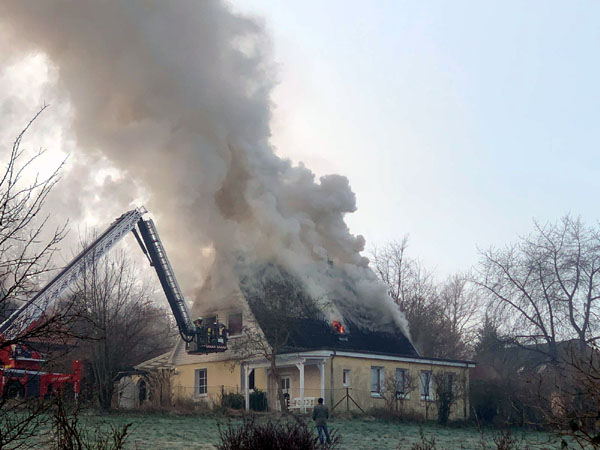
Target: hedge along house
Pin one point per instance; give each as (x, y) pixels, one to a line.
(277, 331)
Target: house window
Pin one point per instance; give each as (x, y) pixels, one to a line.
(376, 381)
(449, 378)
(286, 384)
(251, 380)
(426, 385)
(234, 324)
(402, 383)
(201, 382)
(346, 377)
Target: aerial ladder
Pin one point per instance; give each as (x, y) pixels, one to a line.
(21, 366)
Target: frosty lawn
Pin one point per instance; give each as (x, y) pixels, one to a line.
(199, 432)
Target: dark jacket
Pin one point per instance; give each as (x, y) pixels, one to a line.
(320, 414)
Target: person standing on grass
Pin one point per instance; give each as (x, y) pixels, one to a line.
(320, 416)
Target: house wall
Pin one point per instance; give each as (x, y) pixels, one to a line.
(312, 383)
(360, 386)
(222, 376)
(127, 392)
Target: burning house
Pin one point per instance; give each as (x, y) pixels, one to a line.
(284, 344)
(173, 103)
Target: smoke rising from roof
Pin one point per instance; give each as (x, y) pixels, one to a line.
(176, 96)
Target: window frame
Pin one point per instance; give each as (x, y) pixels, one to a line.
(450, 381)
(197, 385)
(287, 378)
(429, 394)
(380, 380)
(252, 380)
(229, 333)
(403, 394)
(346, 378)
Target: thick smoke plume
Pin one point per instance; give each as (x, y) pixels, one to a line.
(175, 96)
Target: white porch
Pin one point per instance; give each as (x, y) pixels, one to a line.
(304, 374)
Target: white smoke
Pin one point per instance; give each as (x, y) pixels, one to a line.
(174, 97)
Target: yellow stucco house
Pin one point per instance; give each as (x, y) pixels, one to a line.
(351, 368)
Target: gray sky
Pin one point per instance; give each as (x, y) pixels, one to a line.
(456, 122)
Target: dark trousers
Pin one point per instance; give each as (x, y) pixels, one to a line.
(322, 429)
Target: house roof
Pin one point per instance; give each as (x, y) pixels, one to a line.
(159, 362)
(280, 294)
(315, 334)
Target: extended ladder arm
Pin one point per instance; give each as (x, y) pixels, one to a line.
(160, 262)
(205, 339)
(33, 309)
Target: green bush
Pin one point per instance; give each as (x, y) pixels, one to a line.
(233, 401)
(258, 400)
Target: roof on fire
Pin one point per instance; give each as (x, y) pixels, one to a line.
(308, 329)
(318, 334)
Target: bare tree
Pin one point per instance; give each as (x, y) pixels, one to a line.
(440, 316)
(396, 389)
(460, 310)
(573, 402)
(279, 307)
(122, 322)
(546, 287)
(26, 248)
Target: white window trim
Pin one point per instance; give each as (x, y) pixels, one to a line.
(289, 378)
(377, 394)
(348, 381)
(431, 396)
(404, 395)
(197, 393)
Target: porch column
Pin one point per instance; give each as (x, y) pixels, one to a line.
(300, 367)
(322, 369)
(246, 390)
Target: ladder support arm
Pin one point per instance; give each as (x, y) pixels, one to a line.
(32, 310)
(161, 264)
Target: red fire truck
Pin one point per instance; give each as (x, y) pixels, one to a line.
(21, 365)
(23, 375)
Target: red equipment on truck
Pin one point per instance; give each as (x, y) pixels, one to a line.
(21, 365)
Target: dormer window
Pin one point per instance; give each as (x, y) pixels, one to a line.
(234, 324)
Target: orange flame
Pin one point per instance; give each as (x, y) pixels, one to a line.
(338, 327)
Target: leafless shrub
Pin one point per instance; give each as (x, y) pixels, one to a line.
(255, 435)
(425, 443)
(69, 434)
(396, 390)
(505, 440)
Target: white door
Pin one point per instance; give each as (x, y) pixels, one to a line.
(286, 387)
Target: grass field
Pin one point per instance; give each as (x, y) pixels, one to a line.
(163, 431)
